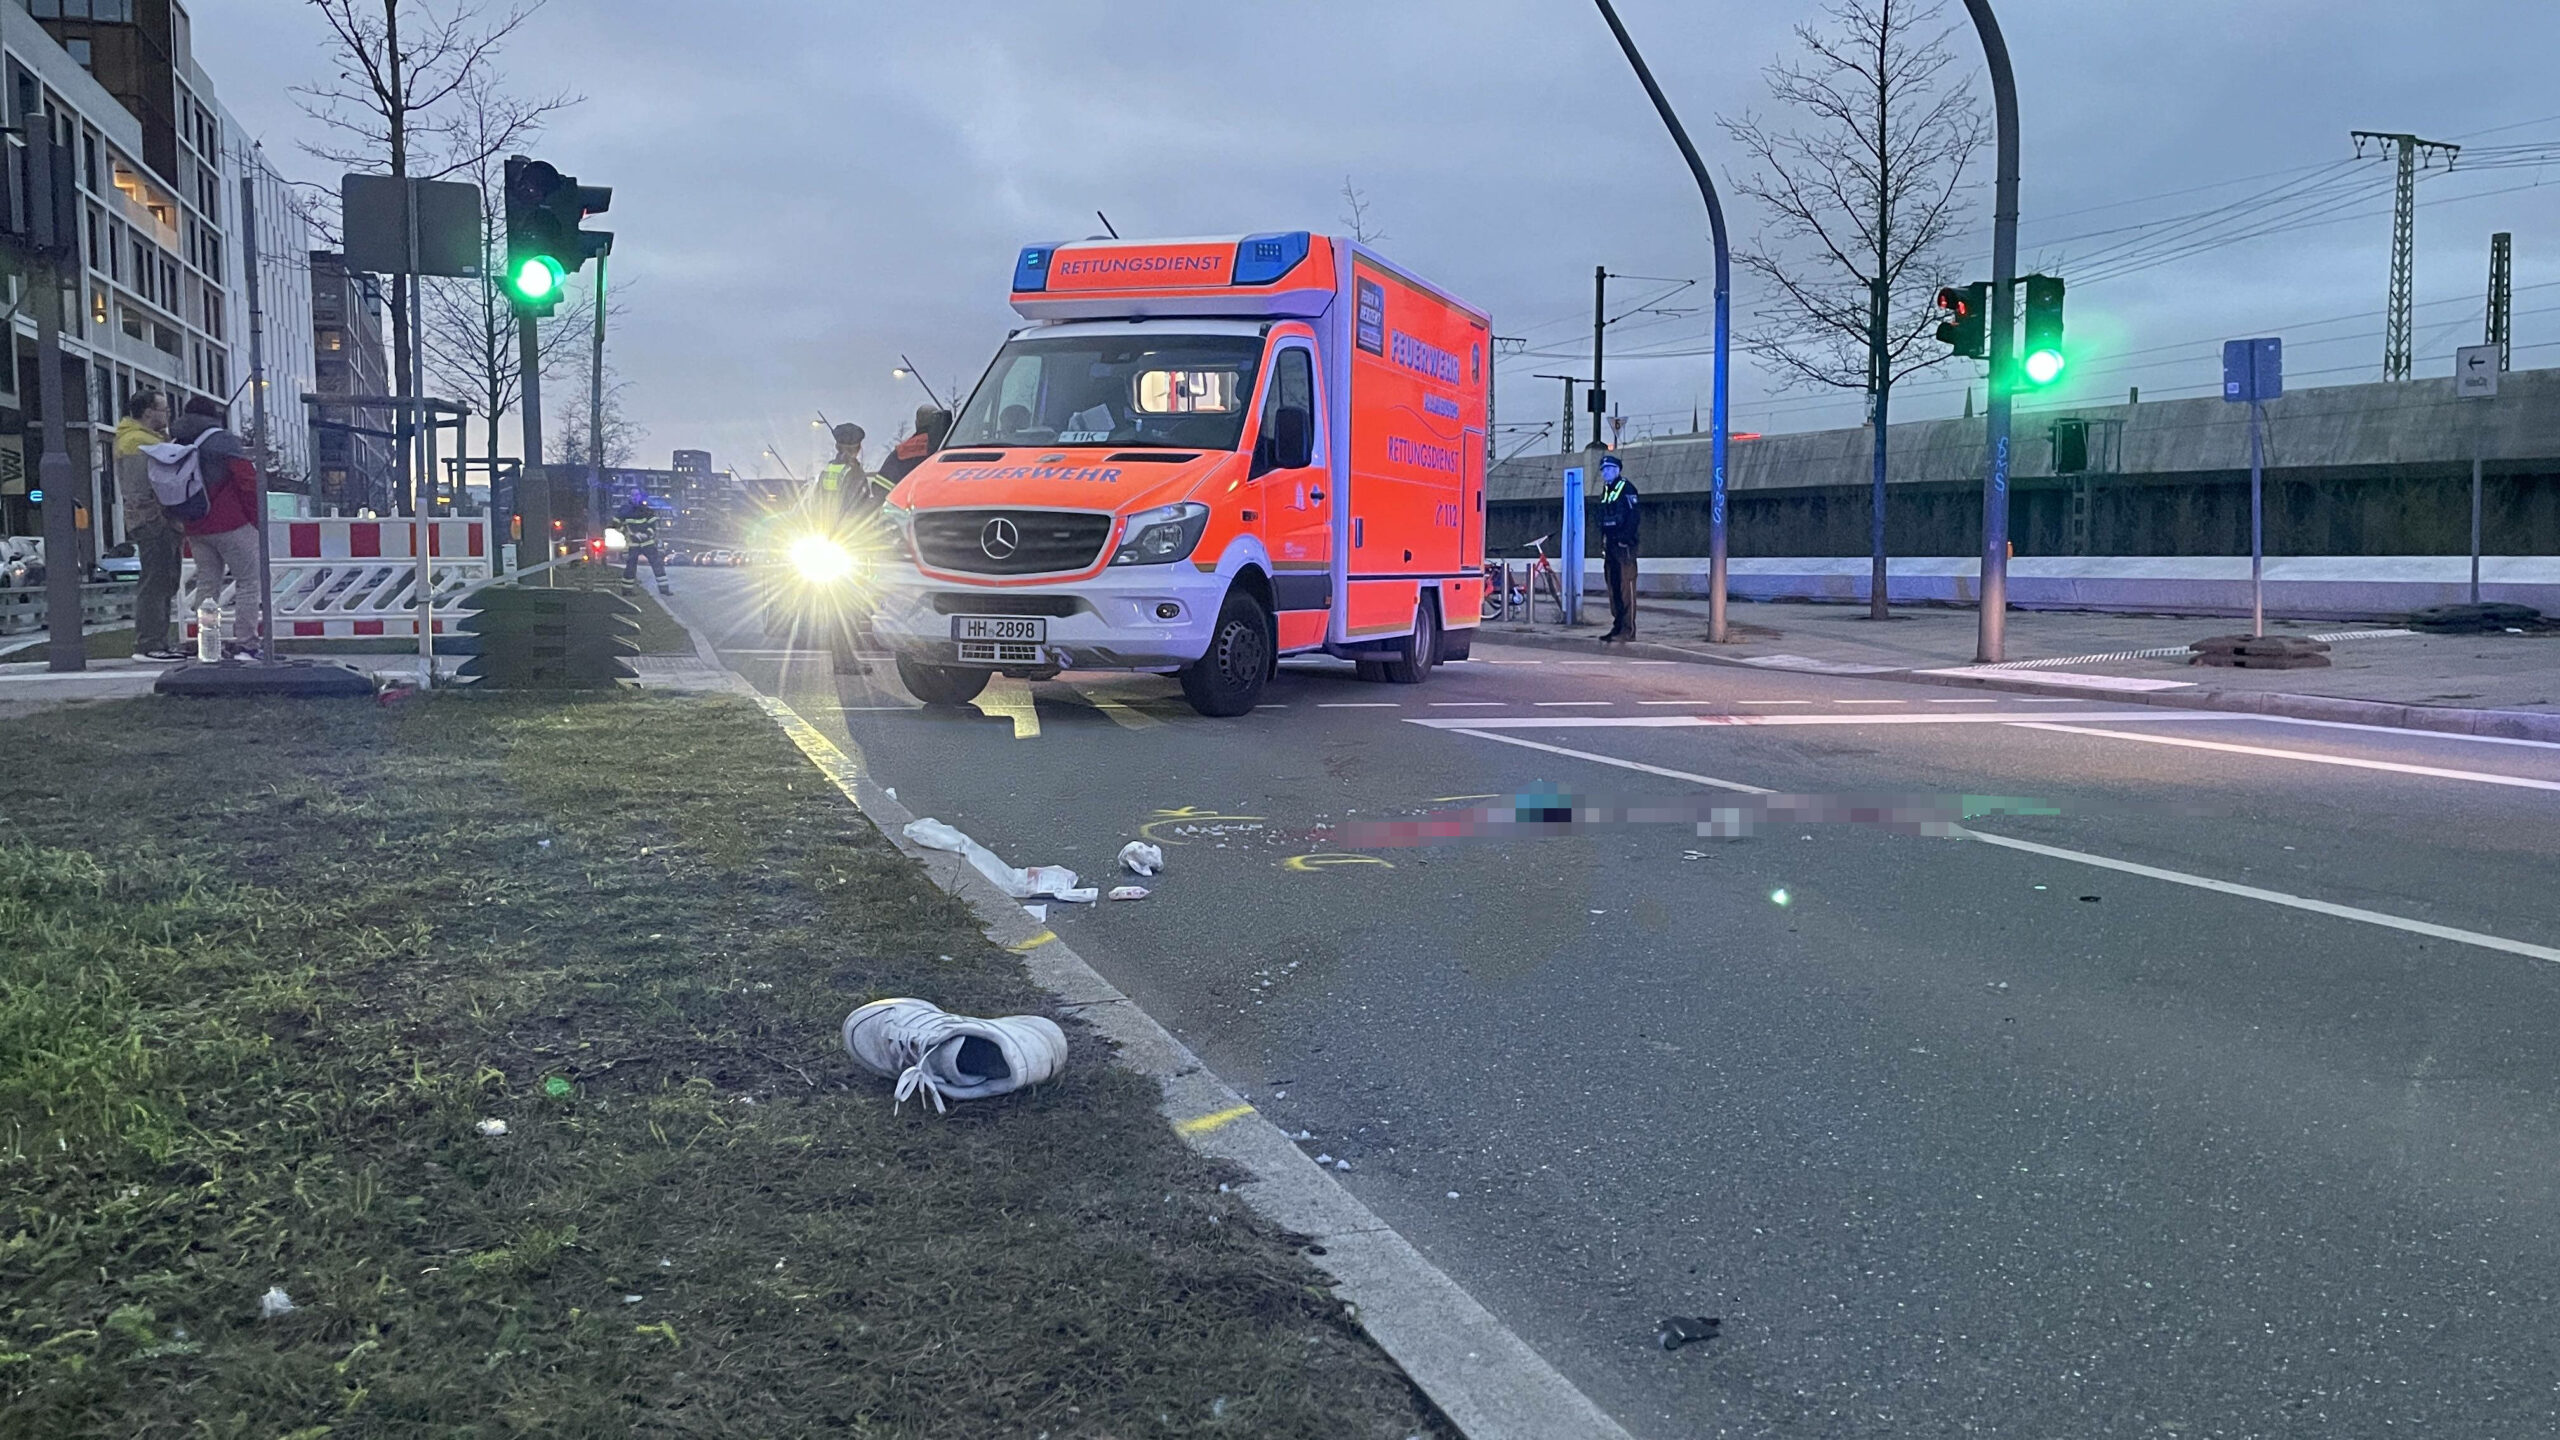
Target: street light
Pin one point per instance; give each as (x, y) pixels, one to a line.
(1724, 325)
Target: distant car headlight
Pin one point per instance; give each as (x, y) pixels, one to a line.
(821, 561)
(1162, 535)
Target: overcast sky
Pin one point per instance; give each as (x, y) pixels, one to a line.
(806, 189)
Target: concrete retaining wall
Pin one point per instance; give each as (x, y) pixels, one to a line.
(2310, 587)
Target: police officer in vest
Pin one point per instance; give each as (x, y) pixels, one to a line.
(844, 490)
(1621, 528)
(638, 521)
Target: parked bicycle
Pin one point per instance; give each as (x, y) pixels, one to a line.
(1505, 593)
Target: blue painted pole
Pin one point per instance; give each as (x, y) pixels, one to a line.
(1724, 323)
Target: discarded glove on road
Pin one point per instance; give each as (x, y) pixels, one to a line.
(946, 1056)
(1681, 1330)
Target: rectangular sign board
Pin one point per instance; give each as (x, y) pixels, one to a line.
(377, 226)
(2475, 372)
(2252, 370)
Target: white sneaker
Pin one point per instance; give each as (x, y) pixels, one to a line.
(925, 1047)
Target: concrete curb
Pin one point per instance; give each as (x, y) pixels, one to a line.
(1485, 1378)
(2499, 724)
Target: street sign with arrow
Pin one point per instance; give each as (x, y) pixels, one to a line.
(2475, 372)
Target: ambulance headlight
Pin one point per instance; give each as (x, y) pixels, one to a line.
(1162, 535)
(820, 560)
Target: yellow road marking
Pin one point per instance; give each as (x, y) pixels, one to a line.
(1309, 863)
(1190, 815)
(1006, 698)
(1124, 716)
(1025, 947)
(1203, 1124)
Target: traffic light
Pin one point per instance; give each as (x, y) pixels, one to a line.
(544, 244)
(1965, 307)
(2042, 360)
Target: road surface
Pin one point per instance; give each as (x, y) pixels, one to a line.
(2219, 1103)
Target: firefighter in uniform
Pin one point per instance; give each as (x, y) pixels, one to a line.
(638, 521)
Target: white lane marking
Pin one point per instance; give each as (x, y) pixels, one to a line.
(1676, 722)
(1772, 702)
(1648, 662)
(2306, 756)
(2403, 731)
(1515, 662)
(1569, 704)
(2277, 897)
(1870, 702)
(1586, 662)
(2104, 862)
(1964, 702)
(1468, 704)
(1637, 766)
(2074, 682)
(1358, 704)
(1270, 707)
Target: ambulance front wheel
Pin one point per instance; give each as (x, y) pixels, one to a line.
(1227, 681)
(942, 685)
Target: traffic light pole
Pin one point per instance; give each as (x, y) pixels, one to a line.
(1724, 319)
(596, 507)
(533, 483)
(1993, 635)
(65, 648)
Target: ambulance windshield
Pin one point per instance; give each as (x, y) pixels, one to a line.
(1185, 392)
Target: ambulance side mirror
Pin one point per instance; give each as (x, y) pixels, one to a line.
(1292, 439)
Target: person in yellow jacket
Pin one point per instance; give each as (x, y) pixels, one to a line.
(155, 536)
(844, 490)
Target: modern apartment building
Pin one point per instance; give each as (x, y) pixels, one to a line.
(351, 449)
(158, 299)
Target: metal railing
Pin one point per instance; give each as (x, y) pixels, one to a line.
(23, 611)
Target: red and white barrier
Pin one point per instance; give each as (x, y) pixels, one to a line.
(337, 578)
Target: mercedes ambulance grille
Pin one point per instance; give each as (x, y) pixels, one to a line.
(1010, 542)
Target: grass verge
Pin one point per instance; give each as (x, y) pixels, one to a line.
(265, 967)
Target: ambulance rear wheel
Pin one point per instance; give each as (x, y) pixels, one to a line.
(1227, 681)
(941, 685)
(1412, 663)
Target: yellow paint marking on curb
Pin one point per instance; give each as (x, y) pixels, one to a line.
(1035, 942)
(1203, 1124)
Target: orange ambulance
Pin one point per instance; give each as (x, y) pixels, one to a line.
(1200, 456)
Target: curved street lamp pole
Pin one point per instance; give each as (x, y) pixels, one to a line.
(2003, 321)
(1724, 321)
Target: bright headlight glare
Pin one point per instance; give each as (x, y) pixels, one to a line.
(1162, 535)
(615, 539)
(821, 561)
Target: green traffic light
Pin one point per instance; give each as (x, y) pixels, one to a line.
(537, 279)
(2044, 366)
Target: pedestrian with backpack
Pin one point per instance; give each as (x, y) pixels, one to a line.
(155, 535)
(224, 537)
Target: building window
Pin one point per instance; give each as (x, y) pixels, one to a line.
(334, 340)
(98, 308)
(79, 48)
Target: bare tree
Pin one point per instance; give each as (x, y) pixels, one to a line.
(1355, 214)
(622, 436)
(1864, 202)
(412, 94)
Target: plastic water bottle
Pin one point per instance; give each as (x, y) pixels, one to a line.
(208, 631)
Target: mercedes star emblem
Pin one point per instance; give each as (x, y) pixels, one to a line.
(999, 539)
